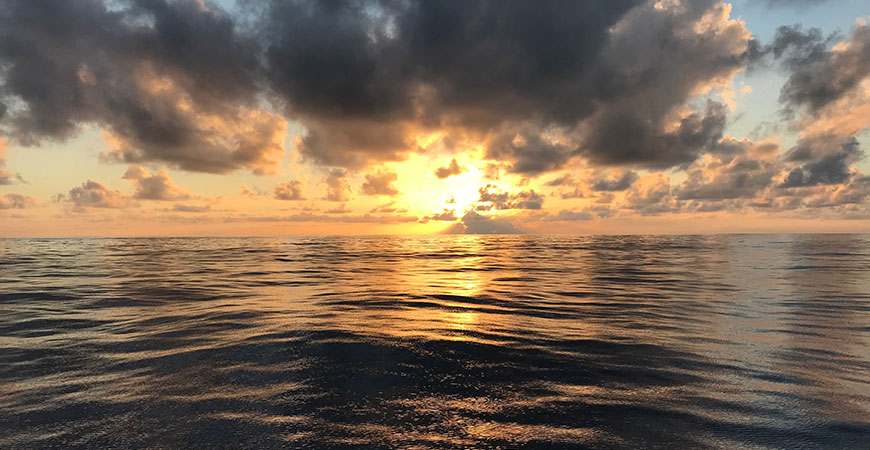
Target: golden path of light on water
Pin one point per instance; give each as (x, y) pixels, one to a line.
(452, 341)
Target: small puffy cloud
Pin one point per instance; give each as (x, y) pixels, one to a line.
(16, 201)
(337, 187)
(474, 223)
(290, 190)
(380, 183)
(450, 170)
(156, 186)
(93, 194)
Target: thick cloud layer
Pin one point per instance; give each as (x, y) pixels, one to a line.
(169, 82)
(184, 83)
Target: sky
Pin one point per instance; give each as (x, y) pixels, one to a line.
(197, 117)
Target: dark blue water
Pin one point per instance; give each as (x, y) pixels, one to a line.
(436, 342)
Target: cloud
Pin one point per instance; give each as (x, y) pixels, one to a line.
(571, 216)
(474, 223)
(448, 215)
(452, 169)
(566, 179)
(290, 190)
(529, 154)
(93, 194)
(337, 187)
(16, 201)
(157, 186)
(320, 218)
(501, 200)
(251, 192)
(741, 172)
(191, 208)
(188, 85)
(610, 184)
(651, 195)
(380, 183)
(819, 74)
(7, 177)
(832, 168)
(171, 82)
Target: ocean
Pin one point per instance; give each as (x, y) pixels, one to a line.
(540, 342)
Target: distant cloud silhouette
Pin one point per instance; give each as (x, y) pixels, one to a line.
(474, 223)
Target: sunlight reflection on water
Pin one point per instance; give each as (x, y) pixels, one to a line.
(436, 342)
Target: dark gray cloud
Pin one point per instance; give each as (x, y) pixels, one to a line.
(380, 183)
(818, 74)
(474, 223)
(289, 190)
(825, 160)
(171, 81)
(529, 154)
(16, 201)
(183, 84)
(450, 170)
(832, 169)
(620, 183)
(502, 200)
(622, 135)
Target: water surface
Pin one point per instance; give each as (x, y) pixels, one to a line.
(436, 342)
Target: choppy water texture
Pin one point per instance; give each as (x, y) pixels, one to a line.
(436, 342)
